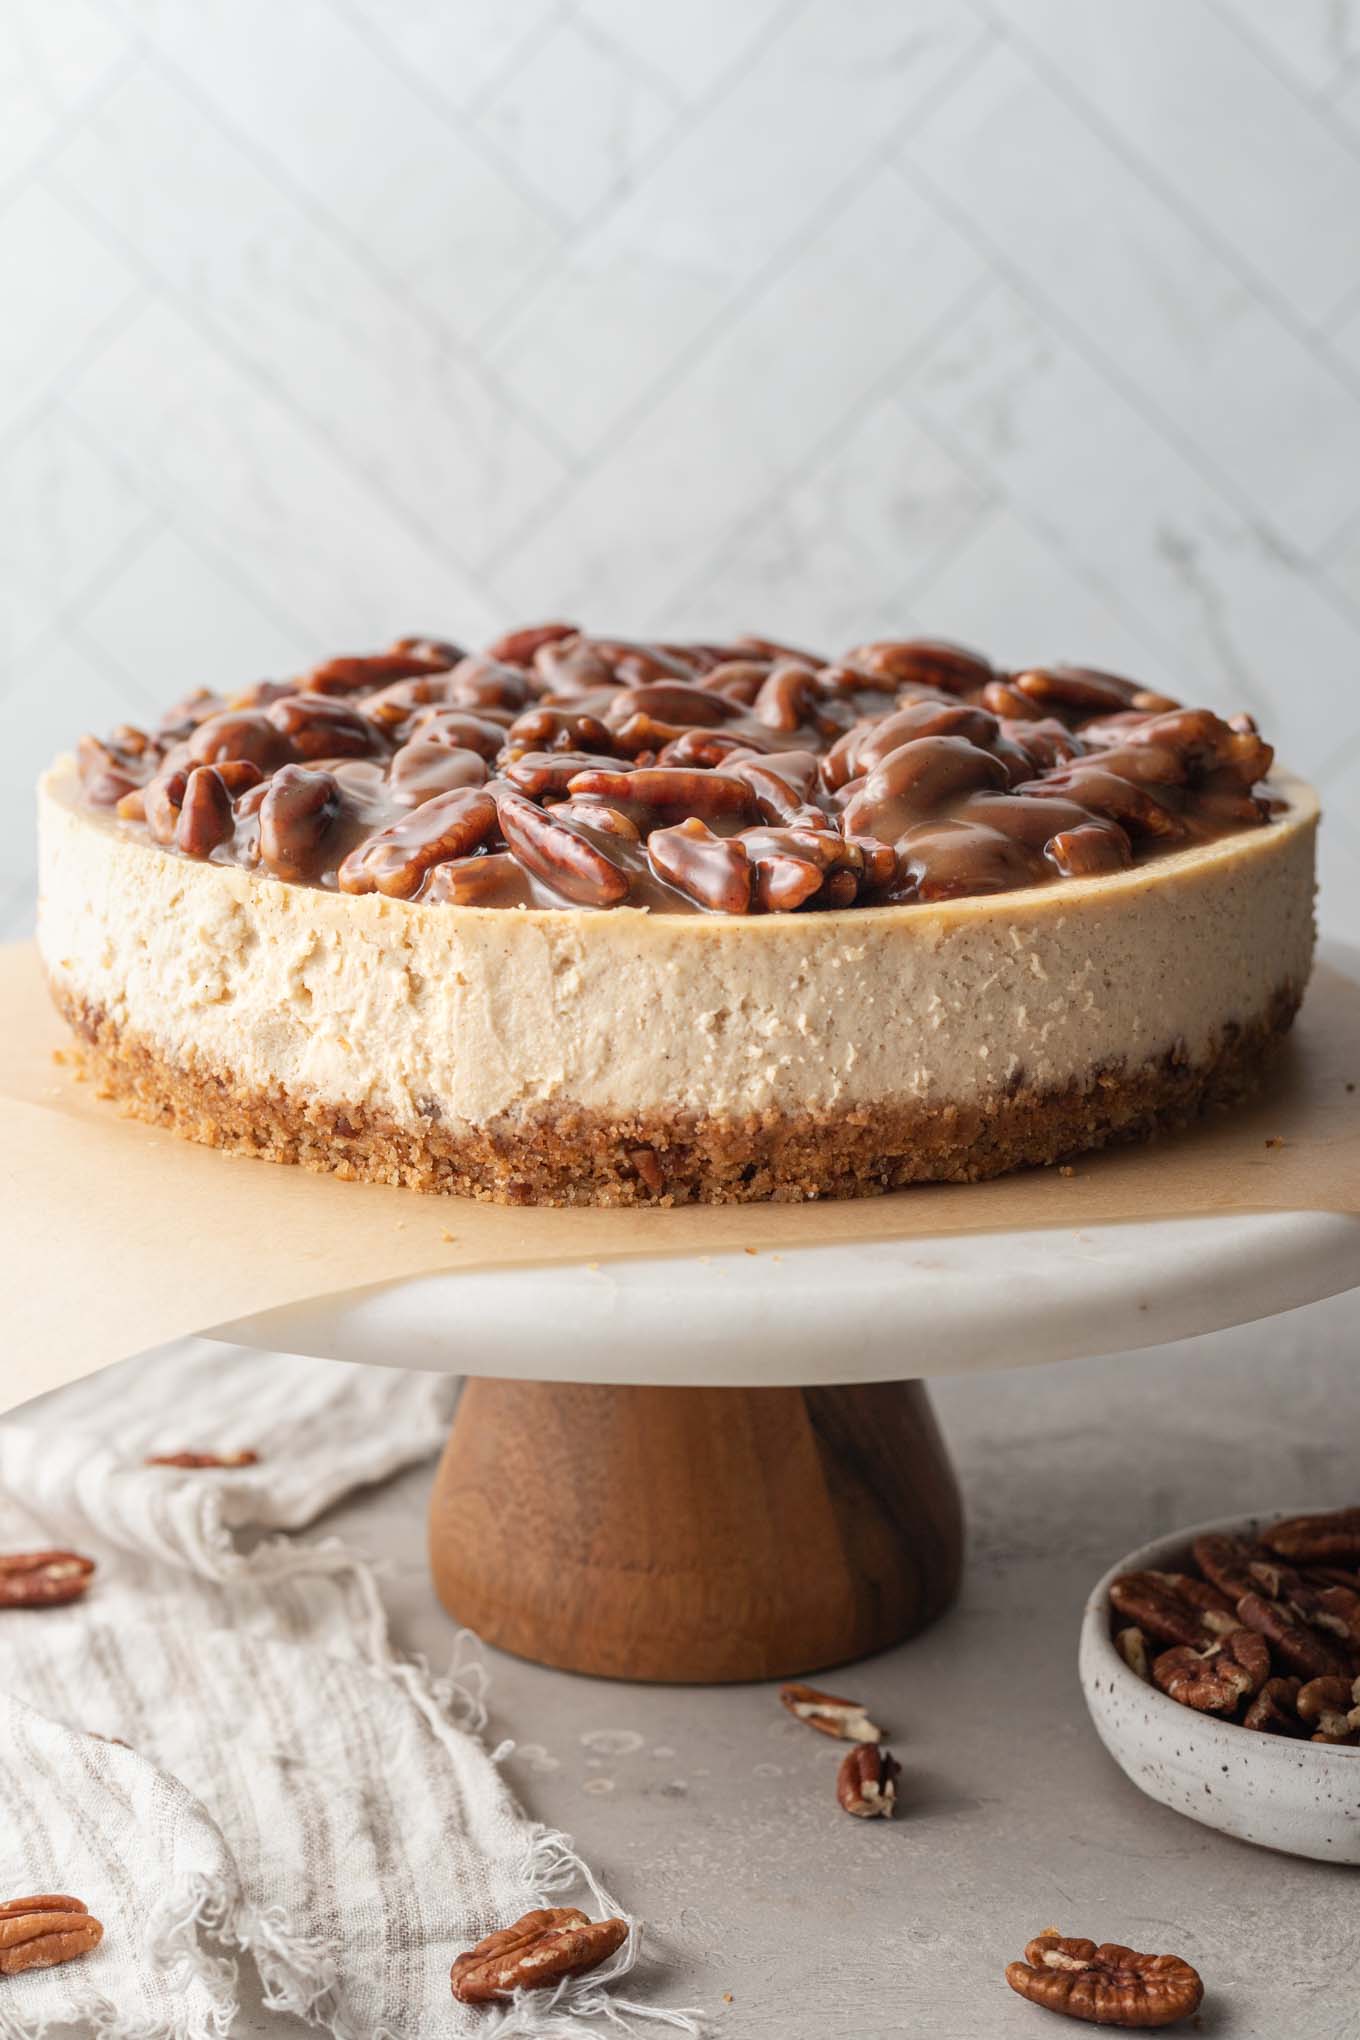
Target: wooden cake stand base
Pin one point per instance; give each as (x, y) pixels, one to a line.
(695, 1534)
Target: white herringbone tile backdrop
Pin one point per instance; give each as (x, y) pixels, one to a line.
(1031, 322)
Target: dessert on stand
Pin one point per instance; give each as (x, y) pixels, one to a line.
(581, 921)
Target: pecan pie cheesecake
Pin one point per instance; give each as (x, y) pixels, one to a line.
(578, 920)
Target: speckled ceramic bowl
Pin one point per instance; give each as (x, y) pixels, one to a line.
(1302, 1797)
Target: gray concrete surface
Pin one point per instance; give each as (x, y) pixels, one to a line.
(711, 1814)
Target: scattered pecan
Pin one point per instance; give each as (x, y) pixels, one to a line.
(42, 1932)
(1331, 1539)
(394, 860)
(201, 1461)
(43, 1579)
(1173, 1607)
(1107, 1985)
(1215, 1679)
(866, 1783)
(828, 1712)
(535, 1954)
(296, 816)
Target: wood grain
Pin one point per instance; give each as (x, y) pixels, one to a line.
(701, 1534)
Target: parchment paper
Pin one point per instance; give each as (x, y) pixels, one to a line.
(118, 1236)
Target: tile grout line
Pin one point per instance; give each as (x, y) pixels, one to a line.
(880, 159)
(1111, 373)
(1171, 201)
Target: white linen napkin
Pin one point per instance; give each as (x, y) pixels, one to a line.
(294, 1792)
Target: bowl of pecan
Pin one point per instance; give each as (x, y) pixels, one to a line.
(1221, 1667)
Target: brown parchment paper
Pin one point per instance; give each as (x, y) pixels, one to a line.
(118, 1236)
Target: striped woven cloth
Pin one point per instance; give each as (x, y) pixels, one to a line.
(293, 1794)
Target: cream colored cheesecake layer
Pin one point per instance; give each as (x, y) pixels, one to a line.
(387, 1003)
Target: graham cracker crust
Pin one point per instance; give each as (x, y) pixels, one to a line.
(567, 1156)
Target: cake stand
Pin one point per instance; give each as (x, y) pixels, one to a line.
(726, 1466)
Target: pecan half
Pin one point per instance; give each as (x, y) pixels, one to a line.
(1301, 1649)
(205, 816)
(714, 870)
(844, 1719)
(924, 662)
(43, 1579)
(296, 816)
(394, 860)
(1330, 1706)
(1109, 1985)
(1330, 1539)
(560, 853)
(517, 647)
(1173, 1607)
(1335, 1610)
(42, 1932)
(317, 727)
(866, 1784)
(1275, 1710)
(1213, 1681)
(1226, 1562)
(197, 1461)
(534, 1954)
(246, 734)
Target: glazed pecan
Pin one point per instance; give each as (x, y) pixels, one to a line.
(924, 662)
(493, 879)
(203, 1461)
(714, 870)
(296, 816)
(914, 780)
(43, 1579)
(517, 647)
(866, 1784)
(548, 775)
(1216, 1679)
(1301, 1649)
(1275, 1710)
(560, 853)
(1109, 1985)
(407, 658)
(205, 814)
(113, 767)
(844, 1719)
(246, 734)
(394, 860)
(660, 795)
(317, 727)
(42, 1932)
(535, 1954)
(1173, 1607)
(421, 770)
(1330, 1539)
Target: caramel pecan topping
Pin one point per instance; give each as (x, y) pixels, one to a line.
(41, 1933)
(43, 1579)
(535, 1954)
(1107, 1985)
(912, 771)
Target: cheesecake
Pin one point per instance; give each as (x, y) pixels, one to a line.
(584, 920)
